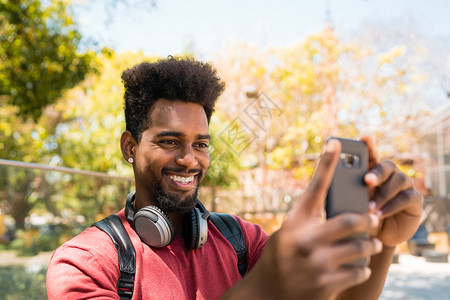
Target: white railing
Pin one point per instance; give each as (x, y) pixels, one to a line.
(21, 164)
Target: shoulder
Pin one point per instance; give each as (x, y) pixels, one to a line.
(92, 245)
(90, 239)
(84, 267)
(96, 241)
(255, 240)
(253, 233)
(251, 228)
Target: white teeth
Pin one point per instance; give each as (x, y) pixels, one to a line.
(182, 179)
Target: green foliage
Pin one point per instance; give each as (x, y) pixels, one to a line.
(323, 86)
(47, 238)
(18, 282)
(21, 139)
(92, 119)
(81, 130)
(224, 164)
(22, 247)
(40, 54)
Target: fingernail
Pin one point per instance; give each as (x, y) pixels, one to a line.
(331, 146)
(372, 205)
(372, 177)
(375, 221)
(378, 245)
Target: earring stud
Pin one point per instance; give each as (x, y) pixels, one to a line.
(131, 160)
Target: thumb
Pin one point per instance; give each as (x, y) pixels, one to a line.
(313, 199)
(373, 156)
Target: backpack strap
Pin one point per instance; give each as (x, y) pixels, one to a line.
(232, 231)
(125, 250)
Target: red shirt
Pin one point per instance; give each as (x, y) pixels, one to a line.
(87, 266)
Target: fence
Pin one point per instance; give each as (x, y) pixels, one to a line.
(41, 207)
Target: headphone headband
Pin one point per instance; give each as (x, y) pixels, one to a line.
(156, 229)
(129, 210)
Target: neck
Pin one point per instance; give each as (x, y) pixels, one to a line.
(178, 225)
(142, 199)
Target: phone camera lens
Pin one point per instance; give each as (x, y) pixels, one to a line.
(350, 160)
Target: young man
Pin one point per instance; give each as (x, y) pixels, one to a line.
(168, 106)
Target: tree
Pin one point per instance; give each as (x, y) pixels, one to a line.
(325, 86)
(27, 141)
(81, 130)
(223, 171)
(293, 106)
(40, 54)
(403, 76)
(39, 59)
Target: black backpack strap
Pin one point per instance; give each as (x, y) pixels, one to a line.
(232, 231)
(125, 250)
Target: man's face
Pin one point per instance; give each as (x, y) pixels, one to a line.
(172, 157)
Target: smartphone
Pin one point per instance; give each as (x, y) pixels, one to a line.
(348, 191)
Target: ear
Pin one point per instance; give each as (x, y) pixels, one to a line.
(127, 145)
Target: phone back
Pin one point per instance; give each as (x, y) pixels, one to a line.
(348, 192)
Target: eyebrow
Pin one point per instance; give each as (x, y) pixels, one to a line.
(180, 134)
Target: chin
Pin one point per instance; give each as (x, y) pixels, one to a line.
(176, 204)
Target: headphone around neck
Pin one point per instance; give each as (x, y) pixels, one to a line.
(156, 229)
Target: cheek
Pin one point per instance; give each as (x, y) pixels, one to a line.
(151, 163)
(204, 160)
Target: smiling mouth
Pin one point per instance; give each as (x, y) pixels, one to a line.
(182, 182)
(182, 179)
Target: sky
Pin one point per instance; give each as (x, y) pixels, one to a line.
(208, 25)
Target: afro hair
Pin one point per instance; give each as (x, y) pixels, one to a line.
(171, 78)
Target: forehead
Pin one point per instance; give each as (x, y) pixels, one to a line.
(178, 116)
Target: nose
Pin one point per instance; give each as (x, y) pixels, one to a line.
(187, 158)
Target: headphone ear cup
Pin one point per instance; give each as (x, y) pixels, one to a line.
(153, 226)
(191, 229)
(195, 229)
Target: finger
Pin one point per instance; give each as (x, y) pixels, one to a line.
(380, 174)
(397, 182)
(373, 156)
(408, 201)
(345, 252)
(344, 278)
(314, 197)
(334, 230)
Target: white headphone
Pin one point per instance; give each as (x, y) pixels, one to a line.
(155, 228)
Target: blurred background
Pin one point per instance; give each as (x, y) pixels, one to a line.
(296, 72)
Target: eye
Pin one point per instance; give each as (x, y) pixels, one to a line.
(202, 145)
(168, 142)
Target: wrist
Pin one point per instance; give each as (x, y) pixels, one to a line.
(388, 249)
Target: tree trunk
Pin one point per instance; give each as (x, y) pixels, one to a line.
(20, 209)
(19, 202)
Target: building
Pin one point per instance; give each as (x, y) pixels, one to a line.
(434, 133)
(434, 149)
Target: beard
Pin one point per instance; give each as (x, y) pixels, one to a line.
(174, 203)
(168, 202)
